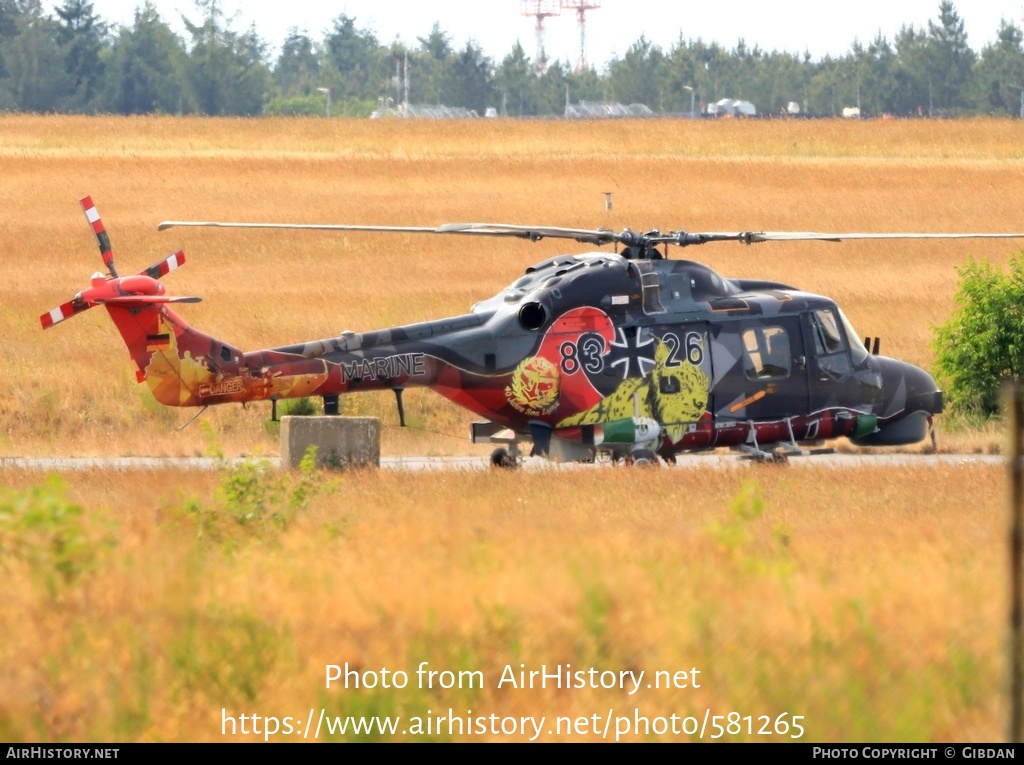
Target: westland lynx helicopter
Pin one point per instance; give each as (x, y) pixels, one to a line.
(624, 353)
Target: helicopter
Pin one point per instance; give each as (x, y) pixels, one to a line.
(627, 354)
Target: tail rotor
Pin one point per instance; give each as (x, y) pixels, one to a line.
(138, 290)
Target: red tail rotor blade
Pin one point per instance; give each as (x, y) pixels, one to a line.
(165, 266)
(61, 312)
(93, 216)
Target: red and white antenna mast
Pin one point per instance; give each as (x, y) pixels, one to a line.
(540, 10)
(581, 7)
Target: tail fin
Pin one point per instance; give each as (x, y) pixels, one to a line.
(154, 334)
(183, 366)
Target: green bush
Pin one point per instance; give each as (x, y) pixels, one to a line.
(297, 407)
(982, 344)
(53, 536)
(256, 500)
(291, 407)
(306, 106)
(316, 106)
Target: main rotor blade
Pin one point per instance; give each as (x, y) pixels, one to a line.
(316, 226)
(598, 236)
(799, 236)
(684, 238)
(533, 233)
(602, 236)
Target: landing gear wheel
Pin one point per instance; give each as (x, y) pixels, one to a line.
(643, 458)
(502, 459)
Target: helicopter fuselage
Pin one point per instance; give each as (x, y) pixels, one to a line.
(605, 352)
(628, 353)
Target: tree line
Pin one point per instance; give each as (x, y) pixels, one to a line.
(71, 61)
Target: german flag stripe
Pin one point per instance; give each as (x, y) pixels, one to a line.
(158, 342)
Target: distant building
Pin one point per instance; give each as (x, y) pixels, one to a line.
(589, 110)
(731, 107)
(412, 112)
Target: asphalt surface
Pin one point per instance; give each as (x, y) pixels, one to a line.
(684, 462)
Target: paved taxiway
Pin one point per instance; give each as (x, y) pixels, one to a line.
(684, 462)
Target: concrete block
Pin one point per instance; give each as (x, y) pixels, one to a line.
(340, 442)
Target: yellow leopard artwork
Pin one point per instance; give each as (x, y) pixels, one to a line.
(673, 396)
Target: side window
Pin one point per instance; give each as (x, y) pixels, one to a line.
(829, 346)
(766, 354)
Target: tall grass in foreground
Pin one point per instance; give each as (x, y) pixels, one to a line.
(869, 601)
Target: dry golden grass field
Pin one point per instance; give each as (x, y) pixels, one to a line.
(153, 606)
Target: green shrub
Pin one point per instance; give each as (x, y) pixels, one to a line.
(982, 344)
(291, 407)
(310, 106)
(256, 500)
(297, 407)
(54, 537)
(316, 106)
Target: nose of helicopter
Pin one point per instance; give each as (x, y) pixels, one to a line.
(910, 398)
(922, 393)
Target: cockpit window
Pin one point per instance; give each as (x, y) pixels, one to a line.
(829, 346)
(827, 338)
(857, 349)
